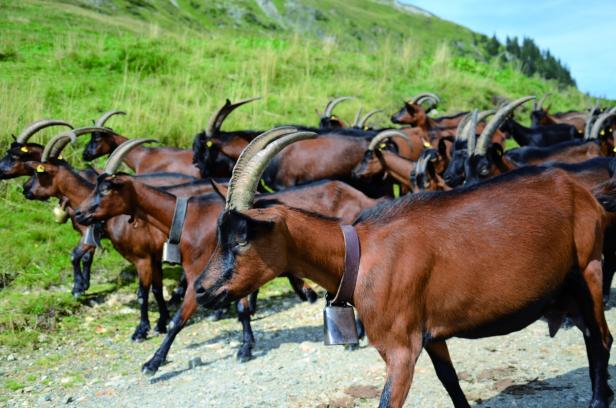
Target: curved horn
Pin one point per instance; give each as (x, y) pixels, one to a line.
(460, 130)
(596, 127)
(590, 119)
(215, 122)
(100, 122)
(543, 98)
(357, 118)
(386, 134)
(53, 148)
(28, 132)
(426, 95)
(244, 187)
(115, 159)
(332, 104)
(494, 124)
(469, 133)
(254, 147)
(480, 117)
(367, 116)
(90, 129)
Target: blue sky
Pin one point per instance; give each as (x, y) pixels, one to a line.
(580, 33)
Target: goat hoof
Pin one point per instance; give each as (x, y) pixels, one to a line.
(77, 293)
(311, 295)
(140, 334)
(160, 328)
(244, 354)
(150, 368)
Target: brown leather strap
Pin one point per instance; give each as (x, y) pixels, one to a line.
(352, 256)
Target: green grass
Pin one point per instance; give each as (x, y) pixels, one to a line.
(169, 69)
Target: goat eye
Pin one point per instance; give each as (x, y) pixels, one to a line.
(484, 171)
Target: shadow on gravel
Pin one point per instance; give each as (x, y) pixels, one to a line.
(564, 391)
(270, 339)
(172, 374)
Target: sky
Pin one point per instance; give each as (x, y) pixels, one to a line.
(581, 33)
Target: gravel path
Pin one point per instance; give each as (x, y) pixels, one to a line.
(292, 368)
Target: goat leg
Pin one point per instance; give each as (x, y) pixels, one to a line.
(446, 373)
(141, 332)
(157, 290)
(189, 305)
(248, 340)
(597, 336)
(301, 289)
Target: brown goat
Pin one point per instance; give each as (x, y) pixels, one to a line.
(417, 286)
(120, 194)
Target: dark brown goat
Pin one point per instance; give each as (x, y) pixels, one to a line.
(416, 249)
(120, 194)
(136, 240)
(158, 159)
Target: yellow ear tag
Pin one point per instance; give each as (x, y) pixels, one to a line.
(209, 143)
(602, 132)
(40, 168)
(24, 149)
(60, 157)
(614, 149)
(427, 144)
(382, 145)
(334, 117)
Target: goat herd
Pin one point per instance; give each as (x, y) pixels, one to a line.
(481, 242)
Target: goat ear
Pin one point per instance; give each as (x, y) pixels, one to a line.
(442, 147)
(497, 151)
(410, 108)
(35, 167)
(219, 189)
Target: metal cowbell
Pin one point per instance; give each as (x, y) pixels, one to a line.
(171, 253)
(339, 326)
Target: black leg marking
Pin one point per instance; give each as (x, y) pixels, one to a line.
(386, 395)
(86, 262)
(243, 314)
(161, 324)
(141, 332)
(76, 255)
(159, 357)
(446, 373)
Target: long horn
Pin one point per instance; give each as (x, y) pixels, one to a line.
(596, 127)
(332, 104)
(254, 147)
(462, 126)
(39, 125)
(53, 148)
(244, 188)
(426, 95)
(115, 159)
(367, 116)
(480, 118)
(590, 119)
(216, 120)
(100, 122)
(494, 124)
(357, 118)
(386, 134)
(469, 133)
(543, 98)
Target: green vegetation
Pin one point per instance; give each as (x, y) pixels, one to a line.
(170, 67)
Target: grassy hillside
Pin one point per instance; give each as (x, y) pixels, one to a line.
(170, 66)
